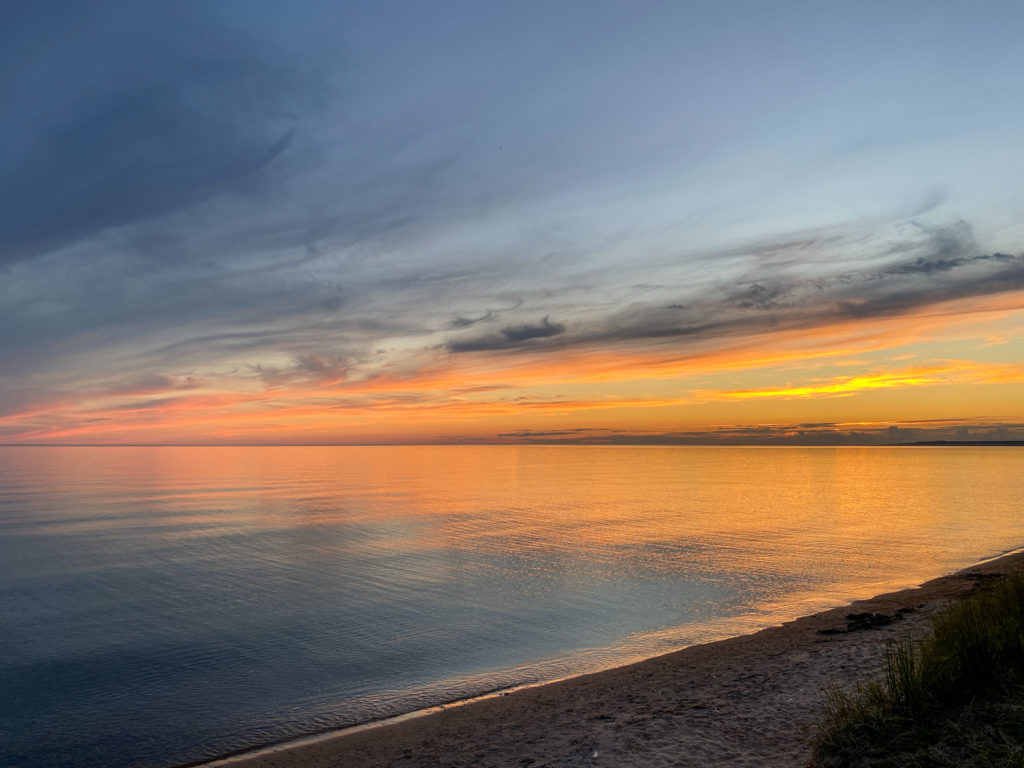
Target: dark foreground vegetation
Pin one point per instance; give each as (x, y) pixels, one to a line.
(955, 698)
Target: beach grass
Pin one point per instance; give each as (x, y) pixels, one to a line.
(954, 698)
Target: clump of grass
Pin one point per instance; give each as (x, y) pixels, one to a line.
(955, 698)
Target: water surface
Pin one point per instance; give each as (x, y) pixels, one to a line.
(162, 605)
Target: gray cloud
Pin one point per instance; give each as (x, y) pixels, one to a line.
(519, 333)
(152, 383)
(466, 322)
(936, 265)
(511, 336)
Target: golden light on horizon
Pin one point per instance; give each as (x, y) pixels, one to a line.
(788, 377)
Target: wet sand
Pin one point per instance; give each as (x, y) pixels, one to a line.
(746, 701)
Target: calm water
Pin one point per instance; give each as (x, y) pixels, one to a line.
(161, 605)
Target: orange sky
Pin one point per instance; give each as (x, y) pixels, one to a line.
(946, 367)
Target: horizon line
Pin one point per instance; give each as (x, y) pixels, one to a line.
(531, 443)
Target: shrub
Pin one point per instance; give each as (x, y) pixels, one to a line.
(954, 698)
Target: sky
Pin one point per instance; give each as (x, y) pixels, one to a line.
(600, 222)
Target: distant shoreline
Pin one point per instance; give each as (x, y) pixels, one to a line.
(743, 702)
(1012, 443)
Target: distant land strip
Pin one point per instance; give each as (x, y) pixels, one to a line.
(1018, 443)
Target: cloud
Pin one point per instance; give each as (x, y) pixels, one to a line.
(466, 322)
(940, 265)
(150, 384)
(347, 323)
(181, 182)
(511, 336)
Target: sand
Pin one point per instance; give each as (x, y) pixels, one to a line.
(746, 701)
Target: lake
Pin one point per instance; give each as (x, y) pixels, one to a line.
(161, 605)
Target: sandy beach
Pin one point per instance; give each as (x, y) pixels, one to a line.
(745, 701)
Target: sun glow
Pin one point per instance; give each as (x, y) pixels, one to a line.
(777, 380)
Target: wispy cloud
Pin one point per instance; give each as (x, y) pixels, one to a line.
(933, 266)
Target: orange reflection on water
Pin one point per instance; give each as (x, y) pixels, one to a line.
(879, 515)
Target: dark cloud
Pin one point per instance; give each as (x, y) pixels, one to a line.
(518, 333)
(939, 266)
(758, 296)
(949, 247)
(466, 322)
(509, 337)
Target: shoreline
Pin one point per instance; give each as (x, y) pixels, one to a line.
(748, 700)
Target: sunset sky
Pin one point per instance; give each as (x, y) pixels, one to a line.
(328, 222)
